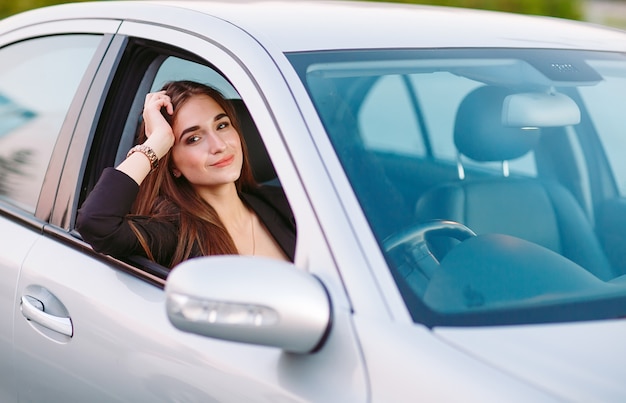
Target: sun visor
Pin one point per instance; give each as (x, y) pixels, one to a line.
(538, 109)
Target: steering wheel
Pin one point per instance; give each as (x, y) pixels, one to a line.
(413, 239)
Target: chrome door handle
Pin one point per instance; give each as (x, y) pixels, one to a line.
(33, 309)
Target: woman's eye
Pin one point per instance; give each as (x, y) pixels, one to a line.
(222, 125)
(192, 139)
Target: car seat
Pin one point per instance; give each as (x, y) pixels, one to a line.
(260, 162)
(545, 213)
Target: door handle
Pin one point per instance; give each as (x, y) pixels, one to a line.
(33, 309)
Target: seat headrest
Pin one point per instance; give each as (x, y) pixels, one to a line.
(262, 167)
(478, 130)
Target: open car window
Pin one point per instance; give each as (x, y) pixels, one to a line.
(116, 136)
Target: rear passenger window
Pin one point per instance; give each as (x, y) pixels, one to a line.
(38, 80)
(387, 119)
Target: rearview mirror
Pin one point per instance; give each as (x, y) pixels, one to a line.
(537, 109)
(251, 300)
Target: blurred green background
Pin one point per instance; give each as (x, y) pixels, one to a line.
(607, 12)
(571, 9)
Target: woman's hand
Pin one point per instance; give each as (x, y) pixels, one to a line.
(159, 132)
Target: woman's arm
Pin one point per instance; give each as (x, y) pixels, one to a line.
(101, 219)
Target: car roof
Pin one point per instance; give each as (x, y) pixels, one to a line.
(303, 25)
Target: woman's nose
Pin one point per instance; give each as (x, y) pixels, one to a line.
(216, 143)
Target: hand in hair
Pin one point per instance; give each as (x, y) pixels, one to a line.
(160, 137)
(158, 130)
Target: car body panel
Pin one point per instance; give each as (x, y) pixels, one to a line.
(267, 21)
(434, 363)
(16, 242)
(577, 368)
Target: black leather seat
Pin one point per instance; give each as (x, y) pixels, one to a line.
(540, 212)
(262, 167)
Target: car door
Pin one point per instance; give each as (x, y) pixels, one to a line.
(93, 328)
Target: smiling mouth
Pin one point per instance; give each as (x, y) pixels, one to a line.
(224, 162)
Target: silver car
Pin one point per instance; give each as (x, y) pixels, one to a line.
(458, 180)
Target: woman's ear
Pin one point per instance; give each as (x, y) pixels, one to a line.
(176, 173)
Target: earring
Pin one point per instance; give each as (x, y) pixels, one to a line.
(175, 174)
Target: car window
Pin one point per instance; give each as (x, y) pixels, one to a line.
(387, 120)
(38, 79)
(493, 105)
(175, 68)
(160, 69)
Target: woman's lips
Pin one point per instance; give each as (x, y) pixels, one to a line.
(224, 161)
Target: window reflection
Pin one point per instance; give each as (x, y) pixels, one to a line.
(38, 80)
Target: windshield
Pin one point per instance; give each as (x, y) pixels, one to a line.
(492, 179)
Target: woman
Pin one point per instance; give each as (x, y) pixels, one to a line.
(188, 187)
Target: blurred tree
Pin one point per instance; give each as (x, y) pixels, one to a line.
(571, 9)
(9, 7)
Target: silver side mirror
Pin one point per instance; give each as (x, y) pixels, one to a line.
(251, 300)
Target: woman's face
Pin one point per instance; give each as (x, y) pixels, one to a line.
(207, 148)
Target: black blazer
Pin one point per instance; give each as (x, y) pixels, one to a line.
(102, 220)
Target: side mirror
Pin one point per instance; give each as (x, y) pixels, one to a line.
(251, 300)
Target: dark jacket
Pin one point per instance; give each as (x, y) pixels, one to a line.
(102, 220)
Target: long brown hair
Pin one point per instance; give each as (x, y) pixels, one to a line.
(163, 196)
